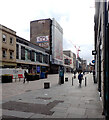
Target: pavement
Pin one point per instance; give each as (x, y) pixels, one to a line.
(31, 100)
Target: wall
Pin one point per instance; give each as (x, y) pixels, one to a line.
(6, 45)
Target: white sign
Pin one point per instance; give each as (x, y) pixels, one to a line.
(41, 39)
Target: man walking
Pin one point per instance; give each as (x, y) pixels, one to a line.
(25, 76)
(80, 77)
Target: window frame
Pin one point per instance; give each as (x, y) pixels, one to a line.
(11, 56)
(11, 38)
(3, 56)
(4, 37)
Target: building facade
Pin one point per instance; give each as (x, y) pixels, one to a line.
(48, 34)
(101, 28)
(84, 65)
(31, 56)
(68, 63)
(73, 59)
(7, 47)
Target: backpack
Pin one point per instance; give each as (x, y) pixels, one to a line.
(80, 76)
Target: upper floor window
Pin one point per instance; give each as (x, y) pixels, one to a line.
(17, 51)
(4, 53)
(11, 40)
(22, 53)
(4, 38)
(11, 54)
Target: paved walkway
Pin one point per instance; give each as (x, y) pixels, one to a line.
(31, 100)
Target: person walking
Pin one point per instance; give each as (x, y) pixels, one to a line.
(25, 76)
(80, 77)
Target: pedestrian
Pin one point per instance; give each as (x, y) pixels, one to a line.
(25, 76)
(80, 77)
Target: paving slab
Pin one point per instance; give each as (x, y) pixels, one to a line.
(18, 114)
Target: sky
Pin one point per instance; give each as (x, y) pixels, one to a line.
(76, 17)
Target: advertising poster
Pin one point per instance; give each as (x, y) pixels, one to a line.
(38, 69)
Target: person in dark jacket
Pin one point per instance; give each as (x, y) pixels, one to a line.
(25, 76)
(80, 77)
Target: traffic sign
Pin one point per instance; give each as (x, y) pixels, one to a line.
(94, 52)
(93, 61)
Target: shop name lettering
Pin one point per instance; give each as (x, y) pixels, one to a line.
(41, 39)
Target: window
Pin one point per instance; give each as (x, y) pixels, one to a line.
(40, 57)
(4, 38)
(37, 56)
(29, 54)
(22, 53)
(11, 40)
(11, 54)
(17, 51)
(32, 55)
(4, 53)
(46, 59)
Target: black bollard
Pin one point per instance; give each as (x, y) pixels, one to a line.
(72, 81)
(85, 81)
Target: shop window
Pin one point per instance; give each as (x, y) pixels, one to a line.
(4, 38)
(4, 53)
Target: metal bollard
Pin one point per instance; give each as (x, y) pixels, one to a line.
(72, 81)
(85, 81)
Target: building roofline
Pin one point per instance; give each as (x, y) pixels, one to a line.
(40, 20)
(8, 28)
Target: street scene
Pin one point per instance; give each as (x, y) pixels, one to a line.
(31, 100)
(54, 59)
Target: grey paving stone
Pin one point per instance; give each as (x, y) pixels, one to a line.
(59, 109)
(65, 105)
(38, 116)
(59, 115)
(17, 114)
(75, 116)
(77, 111)
(93, 112)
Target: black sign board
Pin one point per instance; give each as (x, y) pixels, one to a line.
(94, 52)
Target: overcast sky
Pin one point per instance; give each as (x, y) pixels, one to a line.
(76, 17)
